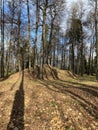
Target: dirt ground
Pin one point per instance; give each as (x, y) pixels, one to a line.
(60, 104)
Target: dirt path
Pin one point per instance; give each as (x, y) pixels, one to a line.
(47, 105)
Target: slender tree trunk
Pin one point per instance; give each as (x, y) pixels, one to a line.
(19, 51)
(78, 60)
(92, 56)
(82, 61)
(43, 33)
(36, 32)
(43, 42)
(96, 34)
(70, 59)
(2, 40)
(56, 56)
(0, 33)
(72, 63)
(62, 57)
(92, 63)
(48, 58)
(54, 47)
(9, 47)
(7, 59)
(90, 60)
(29, 45)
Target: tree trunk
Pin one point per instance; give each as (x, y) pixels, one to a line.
(19, 51)
(29, 45)
(78, 60)
(43, 43)
(2, 40)
(54, 47)
(36, 32)
(48, 58)
(82, 61)
(62, 57)
(72, 63)
(9, 47)
(96, 34)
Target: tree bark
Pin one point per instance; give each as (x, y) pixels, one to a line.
(9, 47)
(96, 34)
(2, 40)
(36, 32)
(29, 45)
(19, 49)
(43, 40)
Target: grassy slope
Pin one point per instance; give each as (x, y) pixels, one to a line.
(67, 103)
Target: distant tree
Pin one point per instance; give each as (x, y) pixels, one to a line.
(76, 34)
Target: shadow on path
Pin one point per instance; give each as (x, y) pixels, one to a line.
(17, 114)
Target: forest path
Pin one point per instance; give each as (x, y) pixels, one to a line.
(26, 104)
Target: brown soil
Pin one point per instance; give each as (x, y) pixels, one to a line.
(63, 103)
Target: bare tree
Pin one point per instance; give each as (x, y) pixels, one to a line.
(29, 45)
(2, 38)
(96, 34)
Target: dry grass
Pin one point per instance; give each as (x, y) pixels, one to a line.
(60, 102)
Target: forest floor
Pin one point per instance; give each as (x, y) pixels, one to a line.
(64, 103)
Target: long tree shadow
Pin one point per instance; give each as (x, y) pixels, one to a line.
(89, 89)
(12, 87)
(17, 114)
(59, 87)
(5, 78)
(80, 84)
